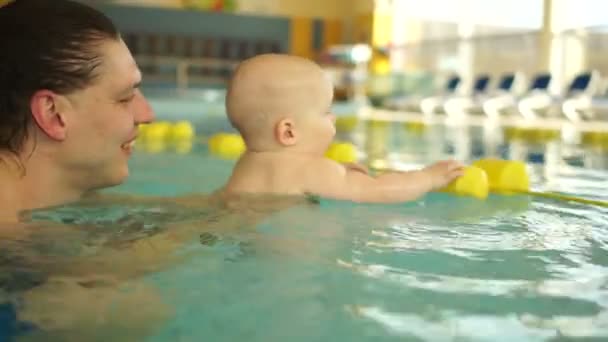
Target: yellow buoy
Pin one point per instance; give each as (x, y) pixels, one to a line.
(142, 130)
(512, 133)
(154, 146)
(540, 135)
(474, 183)
(214, 140)
(183, 146)
(377, 123)
(346, 123)
(226, 145)
(182, 130)
(157, 130)
(595, 139)
(505, 176)
(232, 146)
(510, 176)
(415, 126)
(342, 152)
(532, 135)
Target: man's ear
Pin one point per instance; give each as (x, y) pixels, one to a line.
(285, 132)
(47, 109)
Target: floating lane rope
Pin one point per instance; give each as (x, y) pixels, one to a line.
(484, 176)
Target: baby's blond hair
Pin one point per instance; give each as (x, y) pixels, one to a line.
(266, 87)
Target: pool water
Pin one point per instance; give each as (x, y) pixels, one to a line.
(444, 268)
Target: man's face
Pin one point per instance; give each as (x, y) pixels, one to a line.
(102, 120)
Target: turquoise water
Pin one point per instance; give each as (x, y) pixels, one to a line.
(445, 268)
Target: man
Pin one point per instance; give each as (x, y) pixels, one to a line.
(69, 111)
(69, 104)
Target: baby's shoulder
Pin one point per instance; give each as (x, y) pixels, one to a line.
(317, 165)
(288, 164)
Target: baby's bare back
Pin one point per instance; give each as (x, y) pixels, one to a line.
(273, 173)
(299, 174)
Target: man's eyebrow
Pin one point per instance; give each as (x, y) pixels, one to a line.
(130, 88)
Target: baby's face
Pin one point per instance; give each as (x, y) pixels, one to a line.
(319, 123)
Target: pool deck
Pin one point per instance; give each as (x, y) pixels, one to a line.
(197, 105)
(369, 113)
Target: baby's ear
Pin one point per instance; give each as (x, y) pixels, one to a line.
(285, 132)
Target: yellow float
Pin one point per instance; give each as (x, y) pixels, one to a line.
(342, 152)
(346, 123)
(474, 182)
(226, 145)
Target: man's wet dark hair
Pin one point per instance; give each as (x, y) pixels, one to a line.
(45, 44)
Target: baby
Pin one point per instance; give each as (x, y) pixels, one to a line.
(281, 105)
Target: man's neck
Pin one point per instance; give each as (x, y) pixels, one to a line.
(40, 184)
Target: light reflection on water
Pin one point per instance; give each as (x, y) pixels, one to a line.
(508, 268)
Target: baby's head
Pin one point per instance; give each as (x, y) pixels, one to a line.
(281, 102)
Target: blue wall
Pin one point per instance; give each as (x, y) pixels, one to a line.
(198, 23)
(196, 34)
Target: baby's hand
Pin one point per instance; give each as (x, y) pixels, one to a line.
(444, 172)
(356, 167)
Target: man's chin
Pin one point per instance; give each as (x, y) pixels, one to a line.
(121, 177)
(116, 178)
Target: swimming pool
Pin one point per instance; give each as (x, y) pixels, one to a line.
(445, 268)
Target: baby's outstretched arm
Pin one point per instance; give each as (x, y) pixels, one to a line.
(356, 167)
(332, 180)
